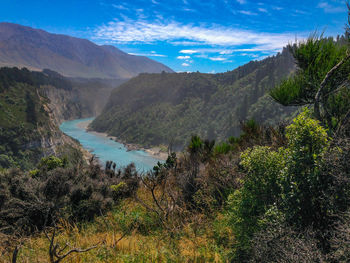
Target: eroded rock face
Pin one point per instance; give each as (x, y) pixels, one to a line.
(61, 105)
(31, 110)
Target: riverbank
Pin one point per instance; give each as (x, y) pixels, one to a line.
(154, 151)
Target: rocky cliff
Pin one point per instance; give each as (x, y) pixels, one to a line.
(29, 120)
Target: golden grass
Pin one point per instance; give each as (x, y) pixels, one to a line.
(155, 246)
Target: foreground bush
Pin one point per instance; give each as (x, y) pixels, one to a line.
(30, 201)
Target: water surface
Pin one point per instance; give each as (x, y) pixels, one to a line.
(106, 149)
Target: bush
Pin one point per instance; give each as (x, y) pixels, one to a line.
(259, 191)
(118, 191)
(301, 180)
(278, 242)
(31, 201)
(51, 162)
(288, 178)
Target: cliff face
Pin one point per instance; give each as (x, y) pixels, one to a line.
(63, 104)
(29, 122)
(86, 98)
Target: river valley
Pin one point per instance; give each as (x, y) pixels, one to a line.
(105, 148)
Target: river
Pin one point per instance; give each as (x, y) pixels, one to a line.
(106, 149)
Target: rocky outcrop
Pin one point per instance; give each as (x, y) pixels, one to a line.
(63, 104)
(86, 98)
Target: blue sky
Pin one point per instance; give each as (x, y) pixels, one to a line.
(187, 35)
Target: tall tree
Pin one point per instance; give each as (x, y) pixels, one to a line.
(322, 74)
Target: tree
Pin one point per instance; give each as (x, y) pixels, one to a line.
(30, 110)
(323, 70)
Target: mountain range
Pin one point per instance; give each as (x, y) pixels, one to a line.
(37, 49)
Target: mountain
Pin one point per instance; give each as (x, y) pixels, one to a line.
(154, 109)
(29, 119)
(36, 49)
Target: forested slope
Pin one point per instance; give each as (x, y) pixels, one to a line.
(165, 108)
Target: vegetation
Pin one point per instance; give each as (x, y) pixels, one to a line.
(154, 109)
(321, 79)
(276, 193)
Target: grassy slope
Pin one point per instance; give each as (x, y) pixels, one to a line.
(154, 109)
(144, 245)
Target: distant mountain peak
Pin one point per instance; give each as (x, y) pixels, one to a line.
(37, 49)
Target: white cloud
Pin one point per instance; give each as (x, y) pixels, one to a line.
(201, 56)
(263, 10)
(185, 64)
(226, 52)
(278, 8)
(327, 8)
(183, 57)
(186, 43)
(249, 55)
(188, 51)
(151, 54)
(300, 12)
(248, 13)
(229, 52)
(242, 2)
(139, 31)
(218, 59)
(120, 7)
(189, 10)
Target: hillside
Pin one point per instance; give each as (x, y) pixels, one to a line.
(154, 109)
(274, 194)
(36, 49)
(28, 125)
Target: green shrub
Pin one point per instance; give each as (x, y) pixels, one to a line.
(222, 148)
(136, 218)
(119, 190)
(288, 179)
(302, 183)
(51, 162)
(260, 190)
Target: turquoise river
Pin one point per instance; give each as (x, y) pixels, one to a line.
(106, 149)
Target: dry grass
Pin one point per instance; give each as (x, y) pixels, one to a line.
(155, 246)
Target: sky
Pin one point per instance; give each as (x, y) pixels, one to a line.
(187, 35)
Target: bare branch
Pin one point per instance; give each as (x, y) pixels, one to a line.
(320, 91)
(56, 256)
(15, 254)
